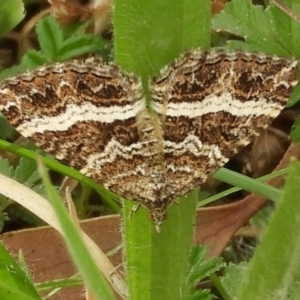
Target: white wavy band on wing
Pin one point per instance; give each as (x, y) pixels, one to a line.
(75, 113)
(215, 104)
(115, 149)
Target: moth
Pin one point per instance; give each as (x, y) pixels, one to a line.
(205, 107)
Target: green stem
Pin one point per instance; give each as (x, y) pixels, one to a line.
(148, 35)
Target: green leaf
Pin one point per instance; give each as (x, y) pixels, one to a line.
(276, 260)
(75, 29)
(50, 36)
(79, 45)
(59, 44)
(11, 72)
(24, 170)
(62, 169)
(5, 167)
(295, 291)
(236, 179)
(11, 14)
(161, 259)
(287, 29)
(248, 184)
(146, 39)
(256, 25)
(93, 278)
(295, 134)
(294, 98)
(14, 283)
(233, 276)
(6, 130)
(241, 18)
(148, 35)
(201, 267)
(250, 46)
(33, 59)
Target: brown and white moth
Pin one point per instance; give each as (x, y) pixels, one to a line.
(206, 107)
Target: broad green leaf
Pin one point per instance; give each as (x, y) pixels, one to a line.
(242, 18)
(276, 262)
(14, 284)
(148, 35)
(258, 46)
(161, 259)
(171, 249)
(11, 14)
(287, 29)
(265, 30)
(154, 33)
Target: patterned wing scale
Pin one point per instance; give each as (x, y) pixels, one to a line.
(87, 114)
(213, 104)
(94, 118)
